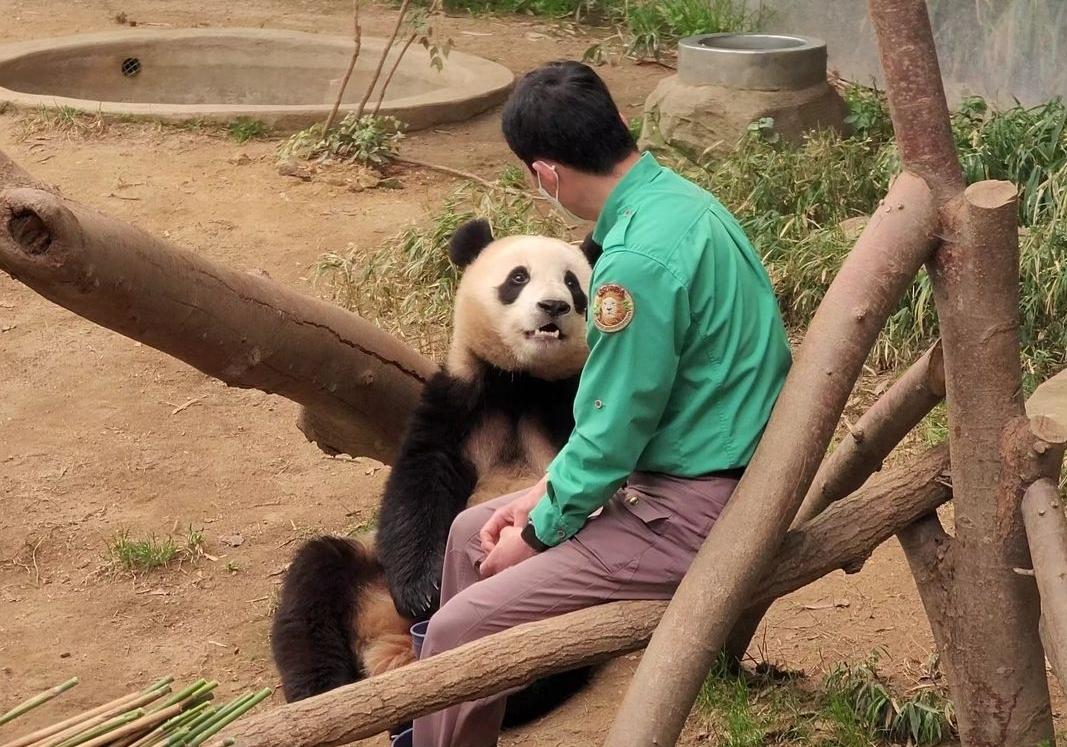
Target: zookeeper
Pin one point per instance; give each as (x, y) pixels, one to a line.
(687, 355)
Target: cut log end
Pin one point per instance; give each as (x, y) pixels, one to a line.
(29, 231)
(991, 194)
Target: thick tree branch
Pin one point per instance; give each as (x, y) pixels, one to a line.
(241, 328)
(863, 449)
(1046, 529)
(843, 536)
(859, 455)
(916, 95)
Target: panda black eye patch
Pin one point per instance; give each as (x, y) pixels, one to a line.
(510, 289)
(577, 295)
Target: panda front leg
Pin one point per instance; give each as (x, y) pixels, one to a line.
(425, 494)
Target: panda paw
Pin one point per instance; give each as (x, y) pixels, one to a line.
(418, 597)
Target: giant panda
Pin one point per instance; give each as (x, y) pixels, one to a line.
(488, 423)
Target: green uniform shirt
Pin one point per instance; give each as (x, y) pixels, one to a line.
(687, 350)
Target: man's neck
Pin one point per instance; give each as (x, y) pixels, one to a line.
(599, 188)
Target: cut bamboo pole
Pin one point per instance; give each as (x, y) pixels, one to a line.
(37, 700)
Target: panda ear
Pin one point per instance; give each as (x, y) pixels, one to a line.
(591, 249)
(468, 241)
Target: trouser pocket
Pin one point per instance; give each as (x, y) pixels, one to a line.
(630, 523)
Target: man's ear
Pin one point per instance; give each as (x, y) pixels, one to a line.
(468, 240)
(546, 175)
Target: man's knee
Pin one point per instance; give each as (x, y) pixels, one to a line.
(467, 525)
(456, 623)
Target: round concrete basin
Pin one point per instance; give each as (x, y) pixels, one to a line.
(754, 62)
(287, 79)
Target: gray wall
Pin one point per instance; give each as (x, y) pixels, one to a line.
(1000, 49)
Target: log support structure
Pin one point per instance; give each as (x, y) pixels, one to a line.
(794, 516)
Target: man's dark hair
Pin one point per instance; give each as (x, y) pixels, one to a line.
(563, 112)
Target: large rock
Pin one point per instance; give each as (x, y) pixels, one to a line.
(700, 119)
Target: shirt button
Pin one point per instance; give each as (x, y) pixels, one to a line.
(561, 534)
(632, 499)
(598, 404)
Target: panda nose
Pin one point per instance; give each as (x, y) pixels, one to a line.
(554, 308)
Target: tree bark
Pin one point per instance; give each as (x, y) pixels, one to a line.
(843, 536)
(736, 554)
(916, 95)
(241, 328)
(1046, 529)
(867, 444)
(859, 455)
(1000, 690)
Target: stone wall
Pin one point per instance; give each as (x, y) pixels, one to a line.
(999, 49)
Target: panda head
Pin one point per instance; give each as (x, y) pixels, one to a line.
(520, 305)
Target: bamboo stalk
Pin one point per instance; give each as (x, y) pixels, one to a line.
(235, 713)
(36, 700)
(94, 717)
(194, 734)
(147, 720)
(159, 683)
(189, 700)
(194, 690)
(170, 726)
(109, 725)
(55, 729)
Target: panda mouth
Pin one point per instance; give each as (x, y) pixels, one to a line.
(548, 332)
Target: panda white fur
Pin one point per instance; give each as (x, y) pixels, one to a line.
(497, 413)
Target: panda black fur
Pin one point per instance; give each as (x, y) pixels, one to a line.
(501, 406)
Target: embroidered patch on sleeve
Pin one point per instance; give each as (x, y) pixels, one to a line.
(613, 308)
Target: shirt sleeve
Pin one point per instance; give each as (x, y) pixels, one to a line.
(639, 318)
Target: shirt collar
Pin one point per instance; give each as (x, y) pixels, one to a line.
(640, 174)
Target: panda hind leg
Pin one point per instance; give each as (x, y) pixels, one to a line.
(544, 695)
(382, 638)
(310, 634)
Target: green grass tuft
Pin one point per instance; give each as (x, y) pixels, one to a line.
(149, 553)
(244, 129)
(370, 139)
(852, 707)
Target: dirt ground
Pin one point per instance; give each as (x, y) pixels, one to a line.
(99, 434)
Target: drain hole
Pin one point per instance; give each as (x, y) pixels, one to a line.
(131, 66)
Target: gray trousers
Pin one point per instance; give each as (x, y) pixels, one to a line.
(638, 547)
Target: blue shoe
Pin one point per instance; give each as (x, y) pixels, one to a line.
(403, 739)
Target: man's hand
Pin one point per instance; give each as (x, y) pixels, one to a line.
(510, 550)
(513, 515)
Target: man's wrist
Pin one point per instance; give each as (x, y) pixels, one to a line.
(529, 536)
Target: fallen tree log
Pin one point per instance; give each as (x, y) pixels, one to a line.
(843, 536)
(357, 383)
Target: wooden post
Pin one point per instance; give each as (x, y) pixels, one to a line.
(898, 239)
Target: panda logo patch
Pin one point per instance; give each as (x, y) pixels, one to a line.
(613, 308)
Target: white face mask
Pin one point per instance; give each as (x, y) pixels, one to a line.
(566, 214)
